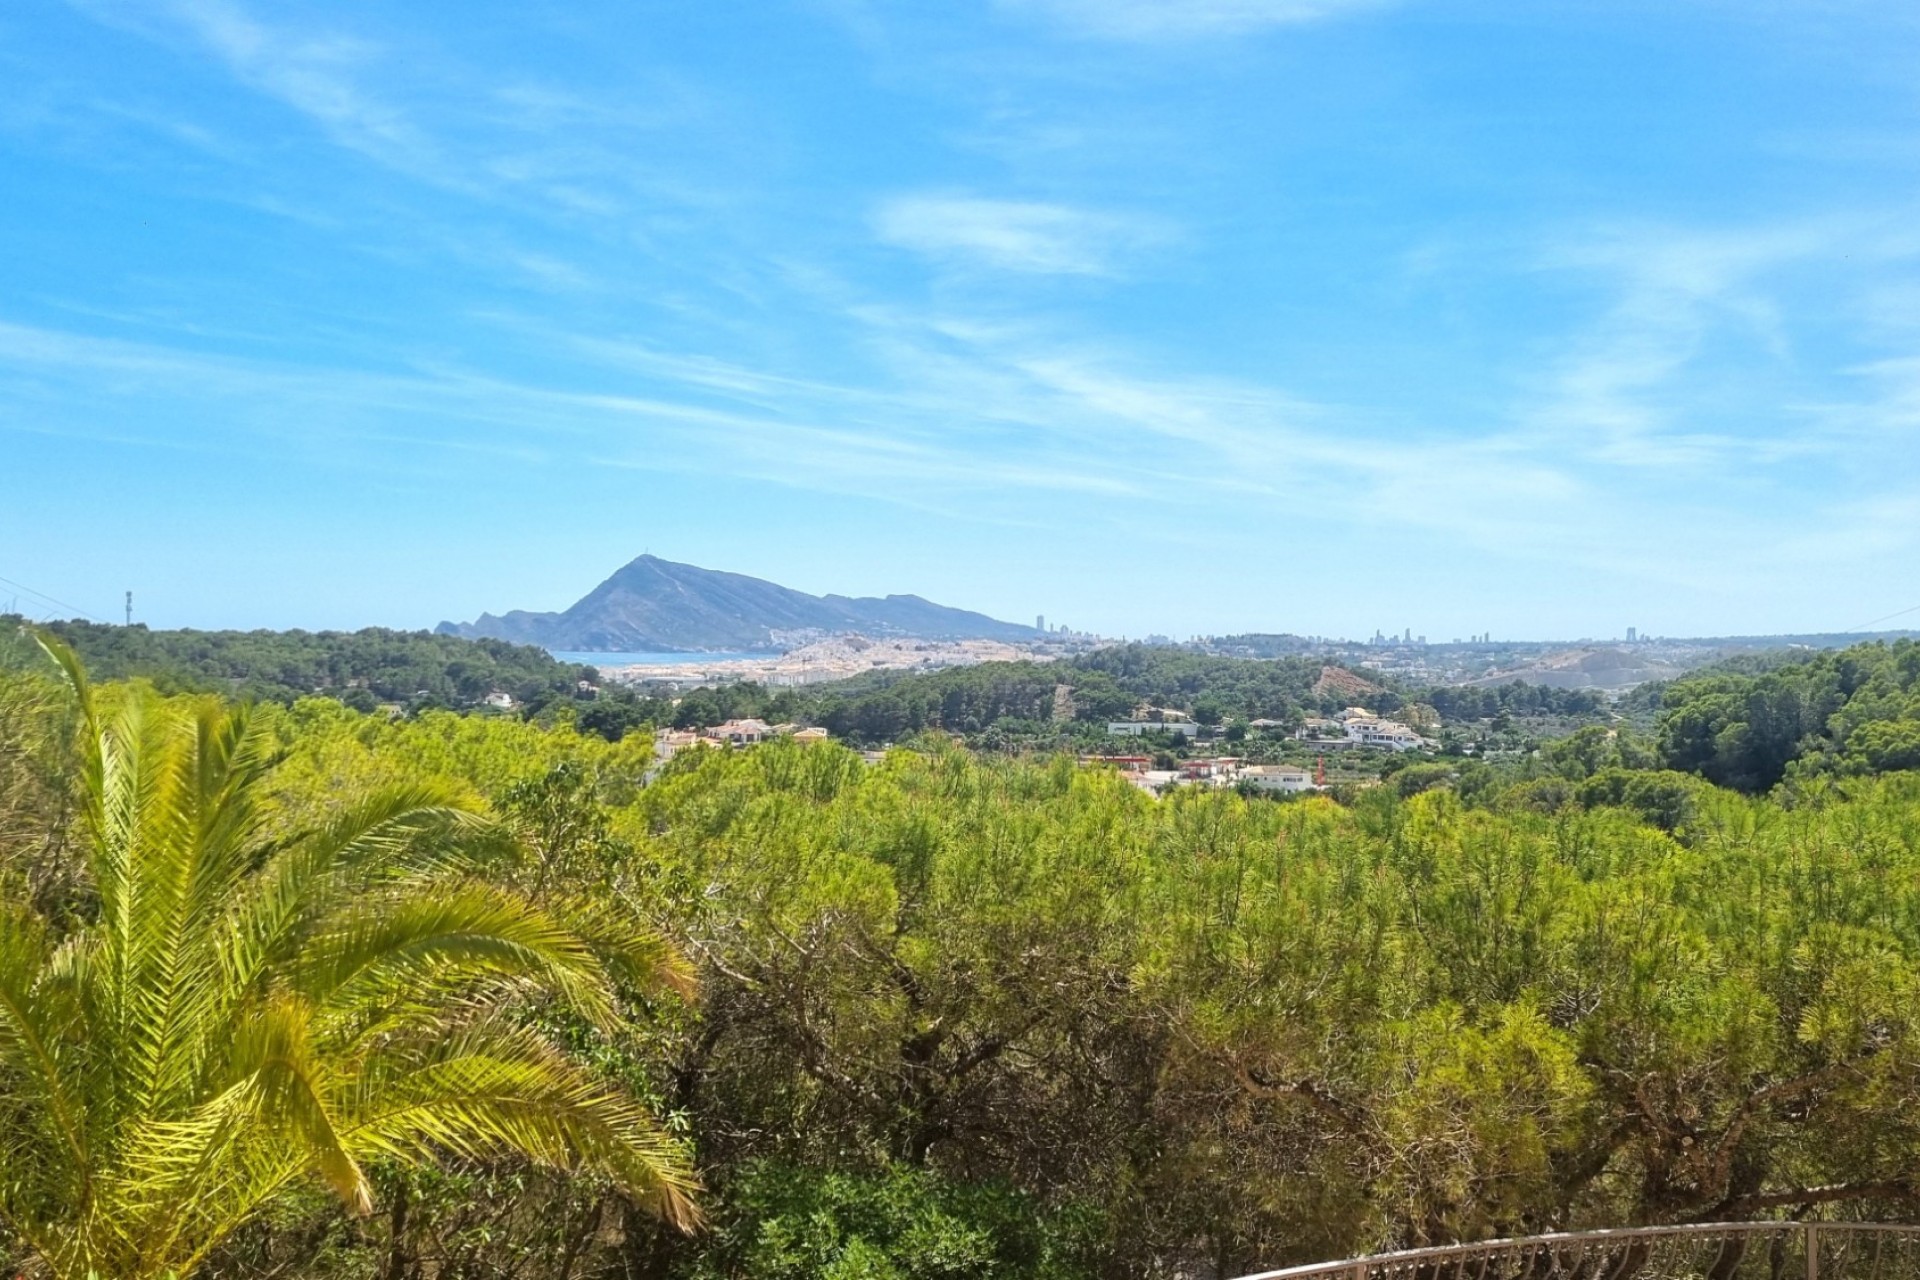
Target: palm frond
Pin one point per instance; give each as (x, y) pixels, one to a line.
(410, 830)
(250, 1007)
(495, 1088)
(628, 945)
(46, 1148)
(425, 945)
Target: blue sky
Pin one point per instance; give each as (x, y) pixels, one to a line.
(1222, 315)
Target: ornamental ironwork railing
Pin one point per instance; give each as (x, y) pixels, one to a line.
(1707, 1251)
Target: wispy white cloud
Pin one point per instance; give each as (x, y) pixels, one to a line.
(552, 272)
(1689, 360)
(411, 109)
(1014, 235)
(967, 423)
(321, 74)
(1184, 19)
(827, 439)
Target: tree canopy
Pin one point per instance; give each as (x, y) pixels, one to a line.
(365, 667)
(1846, 712)
(965, 1013)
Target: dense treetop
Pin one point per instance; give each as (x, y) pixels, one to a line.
(966, 1014)
(1750, 725)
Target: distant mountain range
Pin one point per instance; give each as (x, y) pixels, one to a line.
(657, 606)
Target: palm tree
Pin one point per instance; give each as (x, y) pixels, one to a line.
(245, 1007)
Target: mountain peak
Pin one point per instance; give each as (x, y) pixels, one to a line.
(655, 605)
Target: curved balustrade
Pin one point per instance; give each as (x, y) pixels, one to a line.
(1709, 1251)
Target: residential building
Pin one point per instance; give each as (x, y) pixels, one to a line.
(1219, 770)
(812, 734)
(1126, 764)
(741, 733)
(1134, 728)
(1154, 781)
(1358, 727)
(1277, 777)
(1390, 734)
(669, 743)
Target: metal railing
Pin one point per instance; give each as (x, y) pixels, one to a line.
(1708, 1251)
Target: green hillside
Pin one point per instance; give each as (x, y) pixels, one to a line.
(363, 668)
(1751, 724)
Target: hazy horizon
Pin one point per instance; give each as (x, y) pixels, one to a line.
(1204, 318)
(40, 607)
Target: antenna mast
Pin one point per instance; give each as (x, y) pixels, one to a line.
(129, 608)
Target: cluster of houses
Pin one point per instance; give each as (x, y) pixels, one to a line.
(734, 733)
(1354, 727)
(1214, 771)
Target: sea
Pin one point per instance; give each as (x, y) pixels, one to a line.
(649, 659)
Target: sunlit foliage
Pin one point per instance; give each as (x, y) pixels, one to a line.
(963, 1014)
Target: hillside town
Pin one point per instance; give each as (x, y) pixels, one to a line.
(1353, 727)
(840, 657)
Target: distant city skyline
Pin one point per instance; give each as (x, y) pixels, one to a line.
(1144, 316)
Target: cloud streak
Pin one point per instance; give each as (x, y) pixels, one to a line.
(1143, 20)
(319, 74)
(1690, 360)
(1032, 237)
(411, 109)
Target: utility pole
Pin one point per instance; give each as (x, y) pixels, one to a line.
(129, 608)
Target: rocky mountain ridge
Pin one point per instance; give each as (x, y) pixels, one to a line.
(653, 605)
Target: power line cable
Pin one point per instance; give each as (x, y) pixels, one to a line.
(1889, 618)
(59, 604)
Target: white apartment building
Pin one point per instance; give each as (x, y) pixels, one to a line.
(1390, 734)
(1134, 728)
(1358, 727)
(1277, 777)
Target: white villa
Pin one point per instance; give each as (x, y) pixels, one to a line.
(1358, 727)
(741, 733)
(1277, 777)
(1134, 728)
